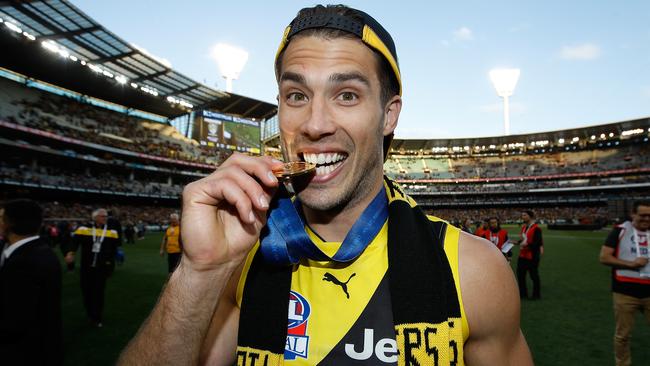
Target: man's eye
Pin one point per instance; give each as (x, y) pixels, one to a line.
(347, 96)
(296, 97)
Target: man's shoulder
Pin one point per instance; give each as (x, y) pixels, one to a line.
(473, 247)
(35, 257)
(481, 263)
(485, 274)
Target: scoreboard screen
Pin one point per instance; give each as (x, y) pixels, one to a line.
(229, 132)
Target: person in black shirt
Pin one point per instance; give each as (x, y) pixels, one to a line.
(99, 244)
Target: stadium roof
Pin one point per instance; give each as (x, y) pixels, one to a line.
(96, 62)
(595, 133)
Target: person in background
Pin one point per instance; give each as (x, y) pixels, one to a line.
(483, 229)
(530, 252)
(129, 232)
(30, 289)
(171, 243)
(466, 225)
(497, 236)
(99, 246)
(626, 251)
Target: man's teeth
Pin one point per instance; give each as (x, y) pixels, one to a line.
(333, 161)
(326, 169)
(323, 158)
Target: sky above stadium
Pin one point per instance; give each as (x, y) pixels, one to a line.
(583, 62)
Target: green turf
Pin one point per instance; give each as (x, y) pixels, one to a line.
(572, 324)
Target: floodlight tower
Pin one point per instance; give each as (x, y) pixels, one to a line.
(504, 81)
(231, 61)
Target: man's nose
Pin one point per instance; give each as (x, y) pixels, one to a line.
(319, 123)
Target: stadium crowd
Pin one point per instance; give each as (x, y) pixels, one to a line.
(54, 211)
(107, 181)
(411, 167)
(544, 215)
(521, 186)
(71, 118)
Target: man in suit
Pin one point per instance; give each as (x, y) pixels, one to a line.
(30, 290)
(99, 243)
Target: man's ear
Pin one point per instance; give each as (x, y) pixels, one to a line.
(391, 114)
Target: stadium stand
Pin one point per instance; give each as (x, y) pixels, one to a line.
(67, 117)
(571, 176)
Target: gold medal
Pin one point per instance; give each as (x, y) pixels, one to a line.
(293, 169)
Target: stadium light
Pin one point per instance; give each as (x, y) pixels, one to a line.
(230, 60)
(504, 81)
(13, 27)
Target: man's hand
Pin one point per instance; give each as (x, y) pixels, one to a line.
(224, 213)
(639, 262)
(69, 258)
(162, 253)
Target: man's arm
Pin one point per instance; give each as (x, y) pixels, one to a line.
(72, 249)
(222, 218)
(608, 258)
(220, 342)
(175, 331)
(491, 302)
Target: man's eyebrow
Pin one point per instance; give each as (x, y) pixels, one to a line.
(348, 76)
(292, 76)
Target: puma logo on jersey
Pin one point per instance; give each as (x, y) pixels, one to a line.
(344, 285)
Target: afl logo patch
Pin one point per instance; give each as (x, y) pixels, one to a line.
(297, 339)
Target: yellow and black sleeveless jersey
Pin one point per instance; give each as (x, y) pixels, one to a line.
(173, 235)
(340, 313)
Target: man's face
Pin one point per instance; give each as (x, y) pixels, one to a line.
(173, 221)
(330, 114)
(641, 219)
(525, 217)
(100, 218)
(493, 224)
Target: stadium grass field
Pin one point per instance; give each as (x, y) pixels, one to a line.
(572, 324)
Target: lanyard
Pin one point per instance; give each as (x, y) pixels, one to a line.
(97, 244)
(100, 239)
(284, 241)
(524, 233)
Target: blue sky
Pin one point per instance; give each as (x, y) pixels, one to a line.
(582, 62)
